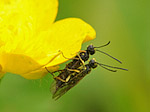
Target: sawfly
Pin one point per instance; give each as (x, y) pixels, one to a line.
(76, 70)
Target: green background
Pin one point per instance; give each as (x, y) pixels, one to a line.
(126, 23)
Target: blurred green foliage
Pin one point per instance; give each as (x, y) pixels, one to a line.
(126, 24)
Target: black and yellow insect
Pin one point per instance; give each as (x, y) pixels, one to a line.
(76, 70)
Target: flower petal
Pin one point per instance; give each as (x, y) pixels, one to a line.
(31, 54)
(28, 41)
(37, 74)
(39, 13)
(43, 12)
(66, 36)
(16, 63)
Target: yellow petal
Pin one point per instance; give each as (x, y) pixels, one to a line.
(37, 74)
(40, 14)
(18, 64)
(24, 54)
(29, 41)
(65, 36)
(22, 20)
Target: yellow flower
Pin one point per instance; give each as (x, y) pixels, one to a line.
(31, 40)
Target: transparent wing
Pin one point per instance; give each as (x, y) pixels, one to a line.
(53, 87)
(60, 90)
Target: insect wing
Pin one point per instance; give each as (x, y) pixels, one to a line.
(61, 90)
(53, 87)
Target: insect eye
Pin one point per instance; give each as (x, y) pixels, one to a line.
(84, 56)
(91, 49)
(93, 63)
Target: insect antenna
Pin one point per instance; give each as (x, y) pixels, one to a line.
(106, 53)
(103, 45)
(104, 65)
(108, 69)
(109, 56)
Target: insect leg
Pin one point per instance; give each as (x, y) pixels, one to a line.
(73, 70)
(50, 72)
(69, 76)
(66, 57)
(82, 51)
(66, 80)
(81, 60)
(57, 71)
(56, 77)
(80, 57)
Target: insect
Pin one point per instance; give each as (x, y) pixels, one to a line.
(84, 56)
(62, 85)
(76, 66)
(77, 61)
(71, 67)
